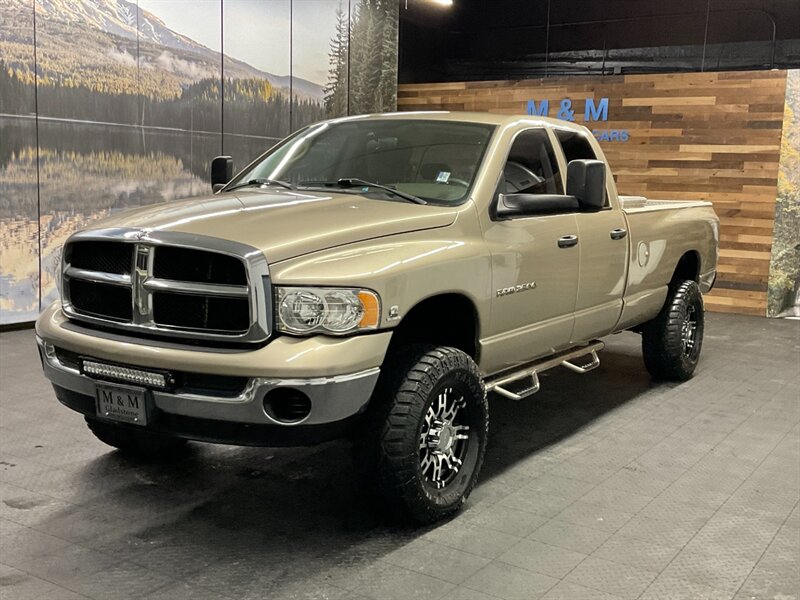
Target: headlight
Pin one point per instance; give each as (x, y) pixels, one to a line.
(334, 311)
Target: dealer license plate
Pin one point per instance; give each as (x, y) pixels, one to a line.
(122, 403)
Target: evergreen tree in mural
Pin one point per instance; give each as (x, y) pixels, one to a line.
(16, 90)
(336, 89)
(363, 73)
(784, 276)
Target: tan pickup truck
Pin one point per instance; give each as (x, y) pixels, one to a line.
(374, 277)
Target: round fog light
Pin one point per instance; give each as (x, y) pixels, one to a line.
(287, 405)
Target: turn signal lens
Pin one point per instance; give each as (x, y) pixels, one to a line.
(372, 310)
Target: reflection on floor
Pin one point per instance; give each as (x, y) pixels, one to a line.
(600, 486)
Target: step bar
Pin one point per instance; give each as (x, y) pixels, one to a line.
(531, 371)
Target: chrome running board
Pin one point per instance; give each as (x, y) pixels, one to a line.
(531, 371)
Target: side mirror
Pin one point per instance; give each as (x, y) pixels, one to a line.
(221, 172)
(586, 181)
(518, 205)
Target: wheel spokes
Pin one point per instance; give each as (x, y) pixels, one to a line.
(689, 333)
(442, 442)
(441, 408)
(462, 432)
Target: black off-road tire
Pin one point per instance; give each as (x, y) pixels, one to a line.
(387, 446)
(664, 343)
(145, 445)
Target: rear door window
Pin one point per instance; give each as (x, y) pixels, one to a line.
(576, 146)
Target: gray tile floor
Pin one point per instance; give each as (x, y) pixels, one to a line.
(601, 486)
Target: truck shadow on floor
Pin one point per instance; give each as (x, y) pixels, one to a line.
(250, 521)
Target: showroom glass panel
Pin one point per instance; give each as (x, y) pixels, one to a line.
(256, 66)
(19, 225)
(88, 104)
(180, 68)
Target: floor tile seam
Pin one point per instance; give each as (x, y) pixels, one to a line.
(383, 561)
(713, 447)
(483, 591)
(607, 436)
(690, 466)
(634, 513)
(637, 457)
(333, 585)
(446, 545)
(52, 535)
(22, 487)
(590, 555)
(566, 430)
(597, 558)
(716, 511)
(766, 548)
(84, 544)
(767, 454)
(170, 583)
(61, 585)
(162, 515)
(635, 540)
(585, 556)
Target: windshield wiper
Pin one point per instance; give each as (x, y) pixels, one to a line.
(262, 181)
(348, 182)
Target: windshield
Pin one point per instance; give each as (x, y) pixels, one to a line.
(434, 160)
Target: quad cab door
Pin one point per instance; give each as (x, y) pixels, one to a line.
(603, 251)
(535, 261)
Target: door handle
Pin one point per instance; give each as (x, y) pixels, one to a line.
(567, 241)
(618, 233)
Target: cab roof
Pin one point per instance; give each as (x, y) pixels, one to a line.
(465, 117)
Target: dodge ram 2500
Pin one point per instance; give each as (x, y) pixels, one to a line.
(374, 277)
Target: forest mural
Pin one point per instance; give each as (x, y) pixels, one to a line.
(783, 299)
(110, 104)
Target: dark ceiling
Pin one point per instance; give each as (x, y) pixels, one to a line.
(498, 39)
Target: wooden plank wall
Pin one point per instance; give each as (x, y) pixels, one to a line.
(710, 136)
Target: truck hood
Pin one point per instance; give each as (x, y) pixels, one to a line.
(285, 224)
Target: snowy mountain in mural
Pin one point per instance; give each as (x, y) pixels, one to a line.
(95, 43)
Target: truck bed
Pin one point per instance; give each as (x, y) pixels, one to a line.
(637, 204)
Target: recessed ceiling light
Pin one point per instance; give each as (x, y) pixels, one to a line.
(443, 2)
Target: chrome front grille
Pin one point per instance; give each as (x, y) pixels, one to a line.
(167, 284)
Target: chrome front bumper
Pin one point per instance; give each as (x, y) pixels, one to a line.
(333, 398)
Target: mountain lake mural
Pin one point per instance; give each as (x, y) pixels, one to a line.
(126, 103)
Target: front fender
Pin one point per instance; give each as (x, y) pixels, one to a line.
(403, 270)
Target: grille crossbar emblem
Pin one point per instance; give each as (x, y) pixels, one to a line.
(142, 271)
